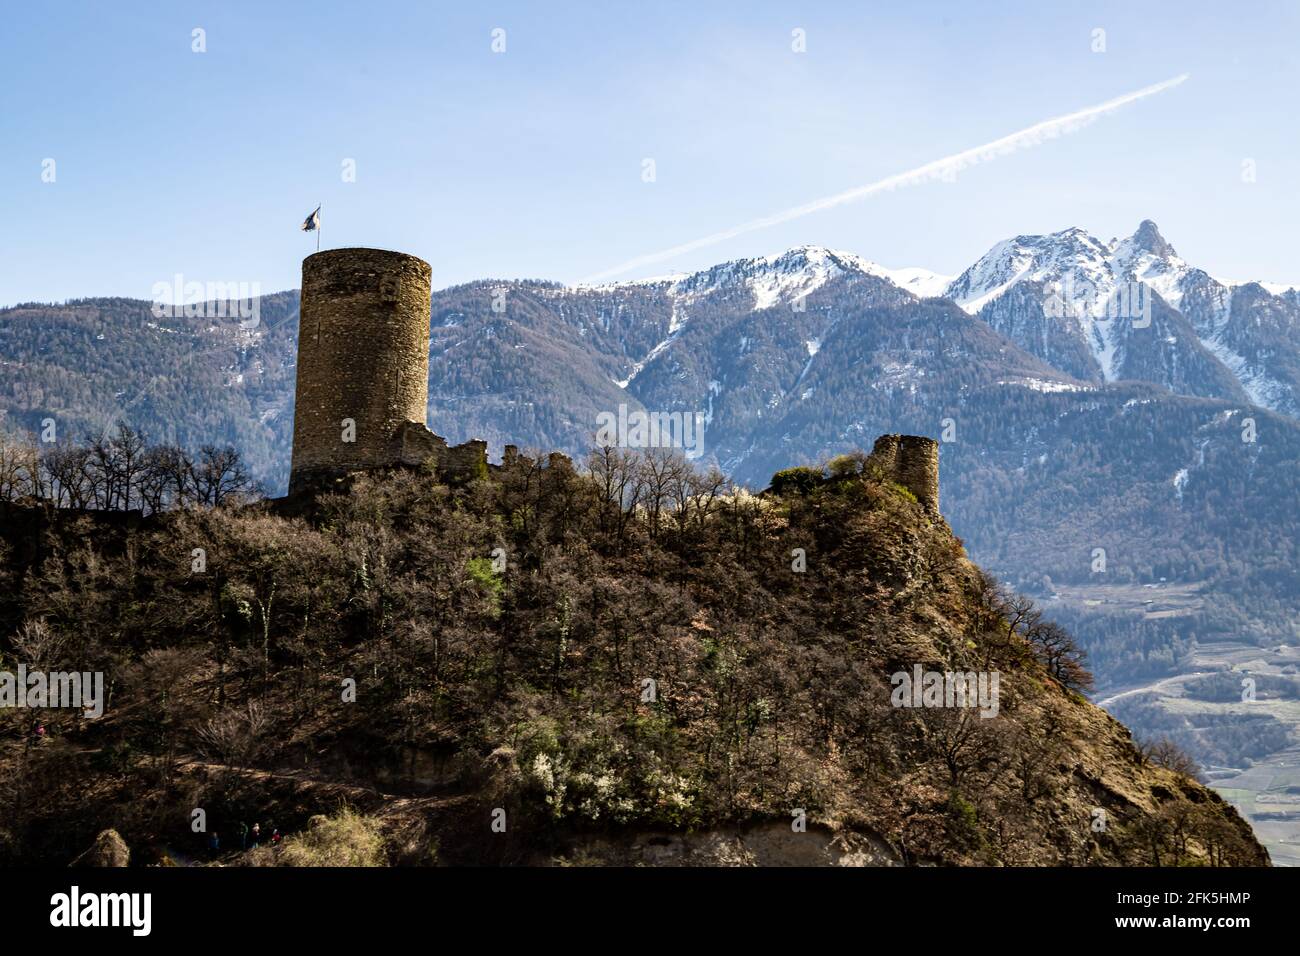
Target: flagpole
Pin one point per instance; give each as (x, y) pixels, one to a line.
(318, 208)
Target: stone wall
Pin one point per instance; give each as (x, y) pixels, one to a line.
(913, 462)
(363, 355)
(918, 468)
(884, 455)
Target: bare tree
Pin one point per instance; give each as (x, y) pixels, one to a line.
(1163, 752)
(19, 469)
(235, 735)
(219, 475)
(39, 646)
(663, 469)
(130, 457)
(66, 468)
(166, 481)
(1059, 653)
(611, 470)
(102, 471)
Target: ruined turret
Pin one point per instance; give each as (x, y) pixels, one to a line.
(363, 370)
(363, 361)
(913, 462)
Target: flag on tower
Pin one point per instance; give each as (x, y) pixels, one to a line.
(312, 222)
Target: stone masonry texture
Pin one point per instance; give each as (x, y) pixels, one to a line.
(363, 355)
(913, 462)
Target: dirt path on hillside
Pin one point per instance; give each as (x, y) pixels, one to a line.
(1155, 686)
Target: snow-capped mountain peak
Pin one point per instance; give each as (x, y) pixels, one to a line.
(1147, 238)
(1129, 308)
(1147, 257)
(1221, 339)
(789, 275)
(772, 279)
(1071, 253)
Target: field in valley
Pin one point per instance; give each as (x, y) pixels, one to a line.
(1264, 788)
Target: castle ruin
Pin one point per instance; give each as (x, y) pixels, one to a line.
(363, 370)
(913, 462)
(363, 382)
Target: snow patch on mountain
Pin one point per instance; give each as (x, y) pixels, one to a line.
(1044, 385)
(922, 283)
(1263, 390)
(1180, 482)
(1273, 288)
(777, 279)
(1145, 257)
(772, 281)
(639, 367)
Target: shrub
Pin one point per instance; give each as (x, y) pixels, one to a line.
(902, 492)
(345, 839)
(800, 480)
(481, 571)
(843, 466)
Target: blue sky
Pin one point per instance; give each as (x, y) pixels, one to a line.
(528, 163)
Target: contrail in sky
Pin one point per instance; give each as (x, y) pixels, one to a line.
(939, 169)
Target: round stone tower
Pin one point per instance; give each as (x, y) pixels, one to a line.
(363, 361)
(918, 468)
(913, 462)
